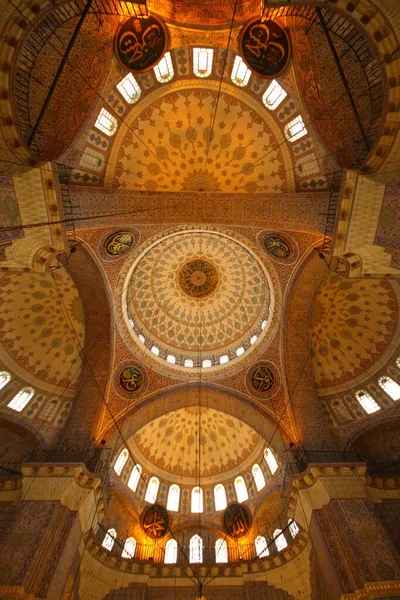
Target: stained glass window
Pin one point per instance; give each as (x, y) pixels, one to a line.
(171, 552)
(270, 460)
(134, 477)
(241, 490)
(273, 95)
(261, 546)
(197, 500)
(174, 493)
(152, 490)
(221, 551)
(164, 71)
(202, 61)
(4, 379)
(106, 122)
(196, 549)
(240, 74)
(220, 497)
(367, 402)
(121, 460)
(295, 129)
(129, 89)
(293, 528)
(259, 478)
(390, 387)
(129, 548)
(280, 540)
(109, 539)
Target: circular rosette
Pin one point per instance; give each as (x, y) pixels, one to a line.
(155, 522)
(140, 43)
(236, 521)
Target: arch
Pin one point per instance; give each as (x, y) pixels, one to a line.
(220, 497)
(171, 552)
(134, 477)
(174, 494)
(376, 441)
(109, 539)
(221, 551)
(389, 386)
(152, 490)
(196, 549)
(196, 505)
(261, 546)
(121, 461)
(258, 477)
(21, 399)
(280, 540)
(241, 489)
(17, 440)
(129, 548)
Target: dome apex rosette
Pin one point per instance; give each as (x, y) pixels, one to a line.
(196, 300)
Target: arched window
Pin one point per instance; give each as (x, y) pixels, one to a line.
(134, 477)
(152, 490)
(367, 402)
(109, 539)
(91, 159)
(106, 122)
(50, 409)
(241, 490)
(280, 540)
(171, 552)
(202, 61)
(293, 528)
(19, 401)
(398, 362)
(121, 460)
(258, 476)
(261, 546)
(390, 387)
(221, 551)
(240, 74)
(174, 494)
(164, 71)
(196, 549)
(295, 129)
(273, 95)
(270, 460)
(220, 497)
(129, 548)
(197, 500)
(128, 87)
(4, 378)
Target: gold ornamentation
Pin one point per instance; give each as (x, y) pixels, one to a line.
(198, 278)
(140, 44)
(265, 48)
(262, 379)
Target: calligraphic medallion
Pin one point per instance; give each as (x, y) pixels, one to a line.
(140, 43)
(130, 379)
(119, 243)
(236, 521)
(277, 246)
(262, 379)
(155, 522)
(198, 278)
(265, 48)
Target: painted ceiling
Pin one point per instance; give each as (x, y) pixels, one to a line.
(353, 324)
(187, 440)
(198, 290)
(41, 325)
(175, 145)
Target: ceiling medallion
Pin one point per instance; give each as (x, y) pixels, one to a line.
(119, 243)
(262, 379)
(198, 278)
(265, 48)
(140, 44)
(277, 246)
(236, 520)
(155, 522)
(130, 379)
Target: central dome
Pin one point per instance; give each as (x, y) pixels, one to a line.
(197, 299)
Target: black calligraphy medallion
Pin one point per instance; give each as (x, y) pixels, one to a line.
(265, 48)
(155, 522)
(130, 379)
(119, 243)
(140, 43)
(277, 246)
(262, 379)
(236, 521)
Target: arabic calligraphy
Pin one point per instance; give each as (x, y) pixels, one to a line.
(262, 379)
(265, 48)
(198, 278)
(119, 243)
(236, 521)
(140, 43)
(130, 379)
(278, 246)
(155, 521)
